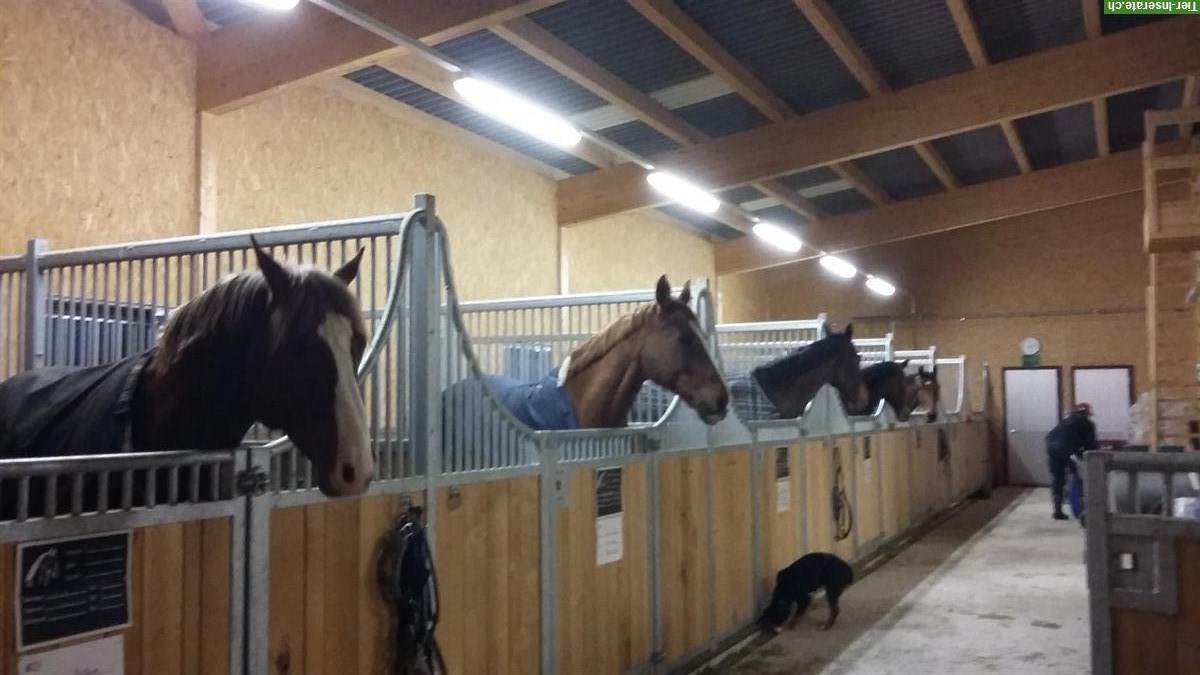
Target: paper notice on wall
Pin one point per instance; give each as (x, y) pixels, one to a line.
(610, 538)
(96, 657)
(783, 495)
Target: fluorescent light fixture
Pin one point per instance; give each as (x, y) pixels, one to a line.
(687, 194)
(838, 266)
(881, 287)
(777, 236)
(517, 112)
(277, 5)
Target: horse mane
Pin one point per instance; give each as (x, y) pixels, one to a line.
(801, 361)
(595, 347)
(876, 373)
(236, 303)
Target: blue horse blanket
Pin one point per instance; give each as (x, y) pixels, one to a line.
(51, 412)
(540, 405)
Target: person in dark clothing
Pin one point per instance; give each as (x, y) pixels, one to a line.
(1073, 435)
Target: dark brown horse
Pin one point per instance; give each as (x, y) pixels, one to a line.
(791, 382)
(889, 381)
(279, 346)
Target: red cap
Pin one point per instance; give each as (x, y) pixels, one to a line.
(1085, 407)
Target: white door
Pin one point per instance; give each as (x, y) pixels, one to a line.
(1031, 408)
(1108, 390)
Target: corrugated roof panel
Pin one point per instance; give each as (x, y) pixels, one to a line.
(901, 173)
(810, 178)
(1126, 114)
(1015, 28)
(1059, 136)
(909, 42)
(613, 34)
(225, 12)
(497, 60)
(389, 84)
(978, 156)
(773, 40)
(699, 222)
(846, 201)
(722, 116)
(740, 194)
(639, 138)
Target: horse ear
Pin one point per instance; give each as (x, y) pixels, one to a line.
(904, 364)
(662, 292)
(348, 271)
(278, 279)
(686, 296)
(849, 332)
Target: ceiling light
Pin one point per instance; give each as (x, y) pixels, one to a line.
(838, 266)
(777, 236)
(277, 5)
(517, 112)
(881, 287)
(687, 194)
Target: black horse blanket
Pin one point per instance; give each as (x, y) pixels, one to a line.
(749, 401)
(51, 412)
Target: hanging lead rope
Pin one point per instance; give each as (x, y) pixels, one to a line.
(408, 582)
(843, 515)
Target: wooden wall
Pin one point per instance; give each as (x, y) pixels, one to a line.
(630, 251)
(180, 601)
(97, 125)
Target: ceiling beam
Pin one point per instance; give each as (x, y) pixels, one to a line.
(969, 33)
(849, 172)
(1093, 30)
(835, 33)
(421, 72)
(187, 18)
(693, 39)
(1132, 59)
(973, 205)
(566, 61)
(250, 60)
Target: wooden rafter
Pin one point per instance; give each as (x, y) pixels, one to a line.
(1019, 195)
(834, 32)
(187, 18)
(250, 60)
(969, 32)
(1131, 59)
(693, 39)
(568, 62)
(1092, 29)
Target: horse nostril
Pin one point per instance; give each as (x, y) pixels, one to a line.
(347, 473)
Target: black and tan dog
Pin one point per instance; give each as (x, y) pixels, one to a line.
(795, 582)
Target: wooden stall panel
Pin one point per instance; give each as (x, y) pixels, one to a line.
(604, 610)
(488, 573)
(686, 569)
(733, 536)
(783, 521)
(867, 489)
(845, 447)
(1153, 644)
(894, 448)
(818, 473)
(179, 604)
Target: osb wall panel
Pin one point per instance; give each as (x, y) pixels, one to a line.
(97, 125)
(179, 584)
(630, 251)
(311, 154)
(743, 297)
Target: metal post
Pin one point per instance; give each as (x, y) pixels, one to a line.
(551, 488)
(258, 561)
(37, 293)
(429, 324)
(1095, 496)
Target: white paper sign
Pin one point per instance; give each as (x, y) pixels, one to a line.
(610, 538)
(783, 495)
(97, 657)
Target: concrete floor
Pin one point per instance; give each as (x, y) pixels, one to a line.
(999, 588)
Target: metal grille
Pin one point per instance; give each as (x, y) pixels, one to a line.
(745, 346)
